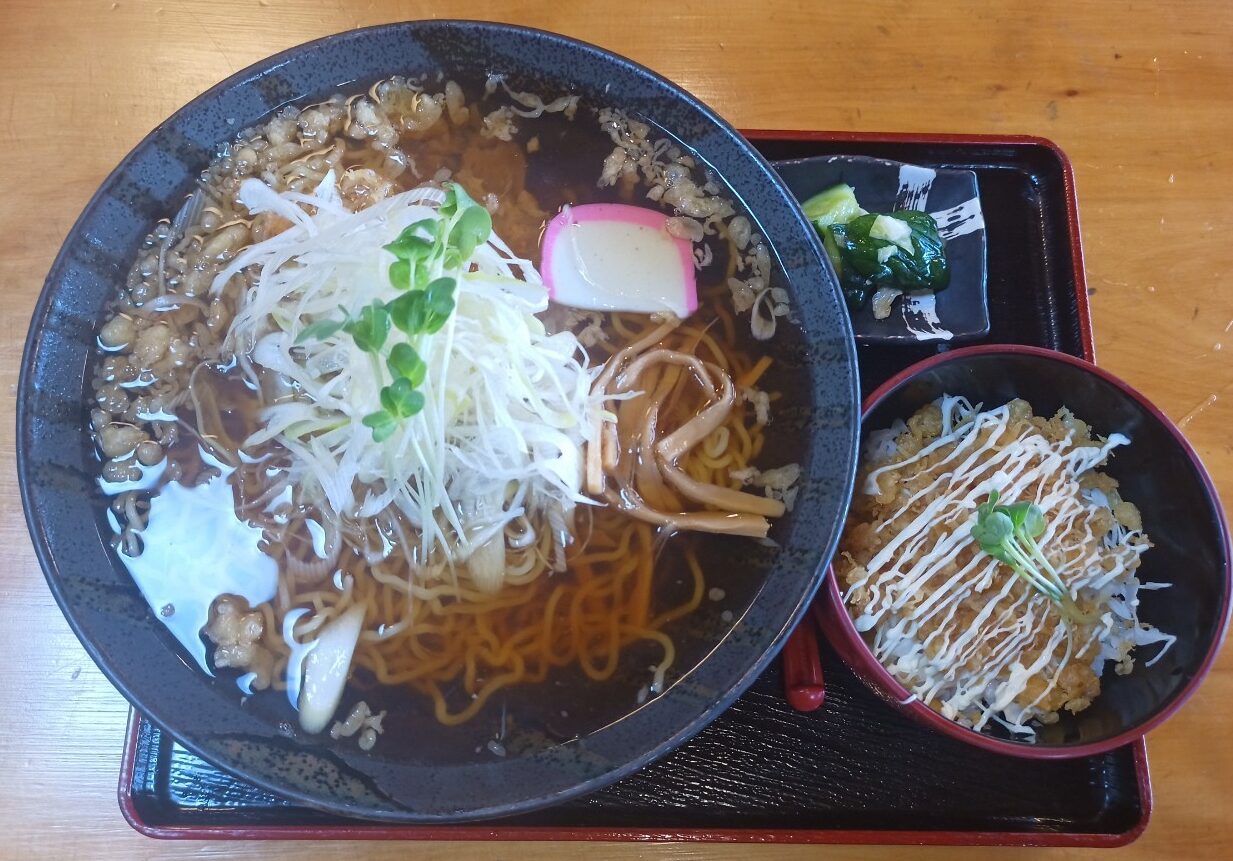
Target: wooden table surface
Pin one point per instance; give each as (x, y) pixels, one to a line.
(1139, 94)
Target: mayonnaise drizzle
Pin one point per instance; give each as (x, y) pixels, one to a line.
(972, 667)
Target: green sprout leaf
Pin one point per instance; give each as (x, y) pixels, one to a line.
(382, 423)
(400, 399)
(409, 245)
(409, 312)
(319, 331)
(440, 289)
(400, 274)
(1034, 522)
(424, 311)
(1008, 533)
(992, 530)
(422, 277)
(470, 231)
(412, 250)
(1018, 513)
(405, 363)
(456, 200)
(372, 327)
(425, 305)
(439, 298)
(986, 508)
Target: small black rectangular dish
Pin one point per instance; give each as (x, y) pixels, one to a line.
(959, 312)
(855, 771)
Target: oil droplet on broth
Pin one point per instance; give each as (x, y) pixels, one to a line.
(195, 549)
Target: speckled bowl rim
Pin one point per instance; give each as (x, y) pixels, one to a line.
(842, 334)
(841, 629)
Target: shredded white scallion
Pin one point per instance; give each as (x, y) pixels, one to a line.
(507, 405)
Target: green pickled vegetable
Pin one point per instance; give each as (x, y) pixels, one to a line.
(836, 205)
(901, 249)
(868, 254)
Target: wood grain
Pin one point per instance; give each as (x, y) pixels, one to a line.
(1138, 94)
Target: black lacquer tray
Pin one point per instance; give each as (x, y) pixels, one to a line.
(855, 771)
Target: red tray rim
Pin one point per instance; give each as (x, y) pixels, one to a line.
(516, 833)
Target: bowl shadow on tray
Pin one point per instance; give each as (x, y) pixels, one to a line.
(1181, 513)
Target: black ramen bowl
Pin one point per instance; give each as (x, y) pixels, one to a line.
(421, 771)
(1158, 471)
